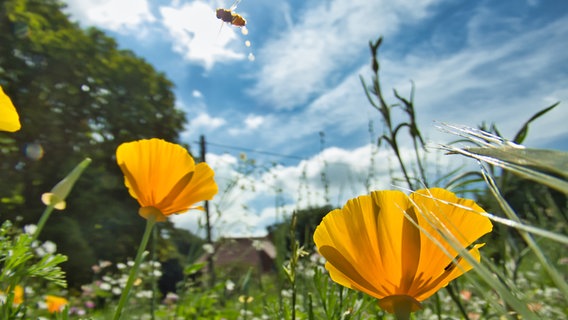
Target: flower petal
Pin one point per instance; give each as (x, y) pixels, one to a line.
(344, 273)
(55, 303)
(347, 239)
(164, 176)
(451, 272)
(201, 187)
(363, 242)
(153, 168)
(441, 215)
(398, 239)
(9, 118)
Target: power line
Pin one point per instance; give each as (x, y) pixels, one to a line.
(256, 151)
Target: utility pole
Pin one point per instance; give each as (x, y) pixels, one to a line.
(210, 266)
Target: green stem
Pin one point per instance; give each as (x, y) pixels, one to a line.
(402, 314)
(153, 277)
(400, 305)
(419, 162)
(394, 145)
(42, 221)
(457, 301)
(13, 281)
(134, 271)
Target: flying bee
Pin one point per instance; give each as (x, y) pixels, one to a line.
(231, 17)
(227, 15)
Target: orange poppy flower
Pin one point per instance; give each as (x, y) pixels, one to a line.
(371, 244)
(18, 294)
(55, 303)
(163, 177)
(9, 119)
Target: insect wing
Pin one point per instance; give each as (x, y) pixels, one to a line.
(234, 5)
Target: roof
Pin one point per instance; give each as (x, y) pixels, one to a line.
(256, 252)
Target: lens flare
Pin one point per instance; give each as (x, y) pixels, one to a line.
(34, 151)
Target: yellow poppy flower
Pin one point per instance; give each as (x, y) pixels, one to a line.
(372, 246)
(9, 119)
(55, 303)
(18, 294)
(163, 177)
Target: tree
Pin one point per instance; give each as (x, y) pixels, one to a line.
(306, 222)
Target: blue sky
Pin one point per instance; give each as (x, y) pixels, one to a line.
(470, 61)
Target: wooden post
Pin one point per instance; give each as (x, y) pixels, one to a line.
(210, 266)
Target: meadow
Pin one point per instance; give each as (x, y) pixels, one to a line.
(482, 243)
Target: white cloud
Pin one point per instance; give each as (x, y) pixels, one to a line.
(494, 78)
(300, 62)
(198, 35)
(253, 121)
(491, 76)
(251, 198)
(201, 124)
(504, 81)
(120, 16)
(251, 124)
(203, 120)
(339, 112)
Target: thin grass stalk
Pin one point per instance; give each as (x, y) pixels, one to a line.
(457, 301)
(322, 290)
(518, 305)
(419, 163)
(385, 110)
(524, 172)
(290, 269)
(323, 174)
(438, 305)
(245, 307)
(530, 229)
(552, 272)
(293, 278)
(340, 298)
(414, 131)
(371, 175)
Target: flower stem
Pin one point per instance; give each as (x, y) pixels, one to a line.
(41, 223)
(402, 314)
(151, 221)
(402, 310)
(401, 305)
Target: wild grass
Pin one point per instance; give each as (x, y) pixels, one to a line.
(522, 273)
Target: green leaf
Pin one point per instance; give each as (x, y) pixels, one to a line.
(193, 268)
(522, 134)
(545, 160)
